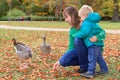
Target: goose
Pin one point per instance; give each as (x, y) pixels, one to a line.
(45, 47)
(24, 53)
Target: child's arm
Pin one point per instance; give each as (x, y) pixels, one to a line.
(83, 32)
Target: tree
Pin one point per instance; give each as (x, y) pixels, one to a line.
(3, 8)
(60, 5)
(115, 17)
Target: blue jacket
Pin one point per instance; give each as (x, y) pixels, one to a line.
(89, 28)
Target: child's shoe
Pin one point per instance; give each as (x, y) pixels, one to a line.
(88, 75)
(101, 72)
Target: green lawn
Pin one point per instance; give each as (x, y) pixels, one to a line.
(56, 24)
(42, 64)
(110, 25)
(45, 24)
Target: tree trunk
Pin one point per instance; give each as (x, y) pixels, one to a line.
(56, 10)
(115, 17)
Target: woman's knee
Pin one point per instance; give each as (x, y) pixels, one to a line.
(63, 63)
(68, 58)
(64, 59)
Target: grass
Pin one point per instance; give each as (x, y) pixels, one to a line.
(45, 24)
(110, 25)
(41, 64)
(56, 24)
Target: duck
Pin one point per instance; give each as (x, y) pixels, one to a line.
(45, 47)
(24, 53)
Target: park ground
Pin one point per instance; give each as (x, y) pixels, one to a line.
(41, 66)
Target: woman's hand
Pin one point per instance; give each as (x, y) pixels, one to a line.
(56, 65)
(93, 39)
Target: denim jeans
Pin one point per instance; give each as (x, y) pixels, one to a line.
(95, 56)
(77, 56)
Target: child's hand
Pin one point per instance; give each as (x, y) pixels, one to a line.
(93, 39)
(56, 65)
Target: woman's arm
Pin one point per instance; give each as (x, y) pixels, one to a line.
(99, 37)
(71, 39)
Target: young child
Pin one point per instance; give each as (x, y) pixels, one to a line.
(89, 27)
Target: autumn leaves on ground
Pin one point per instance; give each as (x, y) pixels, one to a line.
(41, 66)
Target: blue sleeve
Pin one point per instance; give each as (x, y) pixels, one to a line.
(84, 31)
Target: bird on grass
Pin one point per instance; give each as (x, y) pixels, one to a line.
(24, 53)
(45, 47)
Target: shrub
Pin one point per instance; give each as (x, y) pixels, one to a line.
(32, 18)
(16, 13)
(45, 18)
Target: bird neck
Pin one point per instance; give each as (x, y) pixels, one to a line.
(15, 43)
(44, 41)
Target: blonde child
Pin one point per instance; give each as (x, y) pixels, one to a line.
(89, 27)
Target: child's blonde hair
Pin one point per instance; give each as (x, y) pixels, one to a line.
(85, 10)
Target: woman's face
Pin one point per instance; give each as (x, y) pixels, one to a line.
(67, 18)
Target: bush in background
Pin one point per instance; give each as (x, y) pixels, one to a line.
(16, 13)
(30, 18)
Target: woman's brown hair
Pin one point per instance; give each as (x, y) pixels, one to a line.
(75, 20)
